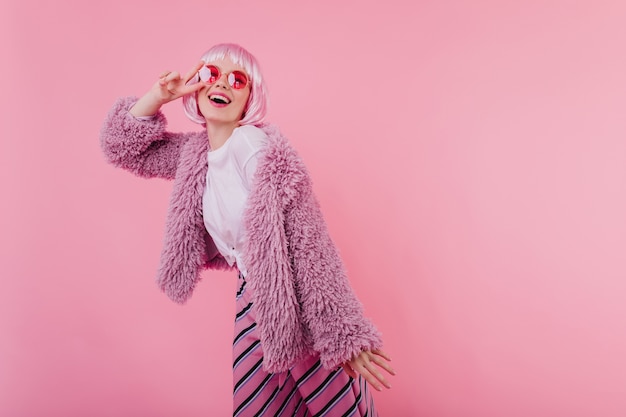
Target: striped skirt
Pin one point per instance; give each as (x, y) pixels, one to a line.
(307, 389)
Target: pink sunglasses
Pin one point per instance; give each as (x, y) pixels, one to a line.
(236, 79)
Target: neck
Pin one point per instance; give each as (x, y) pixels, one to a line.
(219, 133)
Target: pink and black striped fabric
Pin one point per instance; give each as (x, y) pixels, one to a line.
(307, 389)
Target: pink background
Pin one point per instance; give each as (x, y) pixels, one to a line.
(468, 155)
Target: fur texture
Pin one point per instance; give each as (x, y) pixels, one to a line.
(303, 298)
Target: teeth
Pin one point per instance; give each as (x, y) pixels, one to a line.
(219, 99)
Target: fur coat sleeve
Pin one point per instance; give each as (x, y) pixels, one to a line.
(304, 301)
(142, 147)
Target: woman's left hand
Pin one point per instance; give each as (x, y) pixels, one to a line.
(367, 363)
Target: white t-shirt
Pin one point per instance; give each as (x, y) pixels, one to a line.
(228, 181)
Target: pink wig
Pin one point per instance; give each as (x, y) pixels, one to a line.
(256, 107)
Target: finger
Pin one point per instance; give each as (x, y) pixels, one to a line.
(192, 88)
(193, 71)
(164, 74)
(349, 371)
(189, 89)
(174, 75)
(381, 353)
(365, 373)
(383, 364)
(376, 373)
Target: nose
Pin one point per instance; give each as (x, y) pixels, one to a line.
(222, 81)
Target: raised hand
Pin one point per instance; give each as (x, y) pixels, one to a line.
(364, 363)
(169, 87)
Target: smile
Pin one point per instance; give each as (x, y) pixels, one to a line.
(219, 99)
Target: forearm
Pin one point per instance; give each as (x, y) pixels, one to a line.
(148, 105)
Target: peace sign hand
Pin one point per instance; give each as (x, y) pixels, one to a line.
(172, 86)
(169, 87)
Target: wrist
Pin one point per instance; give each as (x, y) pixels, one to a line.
(148, 105)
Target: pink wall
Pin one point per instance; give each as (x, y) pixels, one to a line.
(469, 157)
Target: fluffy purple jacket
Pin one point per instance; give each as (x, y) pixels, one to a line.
(303, 300)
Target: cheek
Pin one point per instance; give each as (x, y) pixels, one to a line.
(244, 101)
(203, 102)
(201, 96)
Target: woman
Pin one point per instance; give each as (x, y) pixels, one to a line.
(242, 199)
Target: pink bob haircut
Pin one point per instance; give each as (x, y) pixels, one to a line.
(256, 107)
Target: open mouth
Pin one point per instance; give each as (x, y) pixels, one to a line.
(219, 99)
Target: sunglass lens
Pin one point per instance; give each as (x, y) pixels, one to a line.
(209, 74)
(237, 80)
(215, 73)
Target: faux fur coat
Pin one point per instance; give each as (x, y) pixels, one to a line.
(304, 303)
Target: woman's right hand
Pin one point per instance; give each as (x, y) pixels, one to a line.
(364, 362)
(169, 87)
